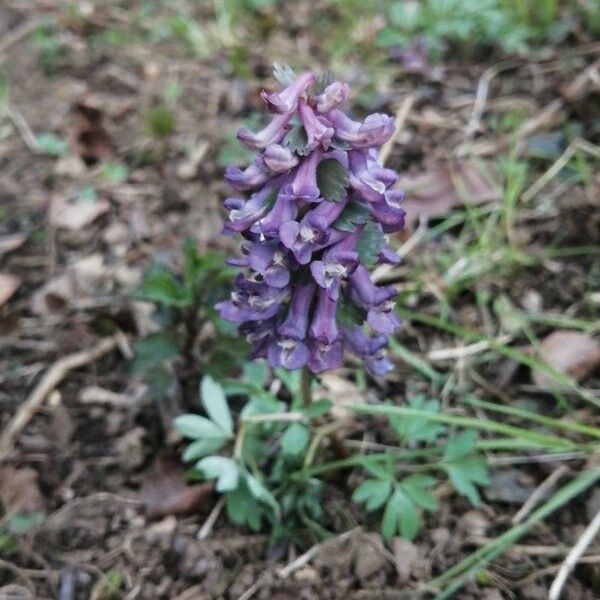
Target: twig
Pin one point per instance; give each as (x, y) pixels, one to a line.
(17, 34)
(207, 526)
(561, 161)
(53, 376)
(539, 493)
(401, 116)
(573, 557)
(470, 350)
(482, 94)
(22, 127)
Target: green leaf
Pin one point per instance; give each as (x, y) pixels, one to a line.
(348, 314)
(318, 408)
(223, 469)
(417, 429)
(197, 427)
(294, 439)
(50, 144)
(21, 522)
(374, 492)
(284, 74)
(332, 179)
(400, 515)
(114, 172)
(416, 488)
(153, 350)
(202, 447)
(161, 286)
(215, 403)
(370, 243)
(354, 214)
(256, 372)
(296, 139)
(161, 121)
(243, 508)
(459, 445)
(260, 492)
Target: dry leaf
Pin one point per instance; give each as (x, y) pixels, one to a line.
(19, 490)
(8, 286)
(8, 243)
(92, 142)
(54, 296)
(437, 192)
(164, 491)
(341, 392)
(571, 352)
(75, 215)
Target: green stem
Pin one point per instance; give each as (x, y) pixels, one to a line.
(306, 387)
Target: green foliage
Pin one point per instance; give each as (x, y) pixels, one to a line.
(161, 121)
(332, 179)
(50, 144)
(114, 172)
(18, 524)
(353, 215)
(184, 300)
(370, 243)
(404, 498)
(51, 50)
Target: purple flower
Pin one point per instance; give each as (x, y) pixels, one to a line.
(287, 100)
(312, 232)
(374, 131)
(270, 260)
(324, 356)
(303, 255)
(372, 350)
(248, 179)
(334, 95)
(271, 134)
(279, 159)
(318, 131)
(324, 326)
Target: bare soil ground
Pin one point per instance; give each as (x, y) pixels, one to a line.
(87, 453)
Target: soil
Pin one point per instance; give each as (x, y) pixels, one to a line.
(90, 449)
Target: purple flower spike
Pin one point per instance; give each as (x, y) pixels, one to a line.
(303, 257)
(278, 159)
(287, 100)
(271, 134)
(334, 95)
(318, 132)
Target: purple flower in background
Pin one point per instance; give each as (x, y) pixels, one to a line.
(318, 209)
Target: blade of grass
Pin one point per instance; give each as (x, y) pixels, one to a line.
(525, 359)
(531, 416)
(417, 363)
(544, 440)
(467, 567)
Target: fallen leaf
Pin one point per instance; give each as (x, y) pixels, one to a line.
(19, 490)
(91, 141)
(572, 352)
(75, 215)
(8, 286)
(340, 391)
(165, 492)
(371, 556)
(436, 192)
(54, 296)
(8, 243)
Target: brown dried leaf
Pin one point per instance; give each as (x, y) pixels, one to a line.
(19, 490)
(92, 142)
(75, 215)
(54, 296)
(164, 491)
(8, 243)
(572, 352)
(436, 192)
(8, 286)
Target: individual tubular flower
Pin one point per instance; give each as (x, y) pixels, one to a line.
(318, 210)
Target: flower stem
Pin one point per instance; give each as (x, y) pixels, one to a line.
(306, 387)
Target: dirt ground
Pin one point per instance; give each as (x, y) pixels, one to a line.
(97, 455)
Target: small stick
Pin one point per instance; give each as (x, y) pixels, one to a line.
(463, 351)
(207, 526)
(573, 557)
(538, 494)
(17, 34)
(401, 116)
(53, 376)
